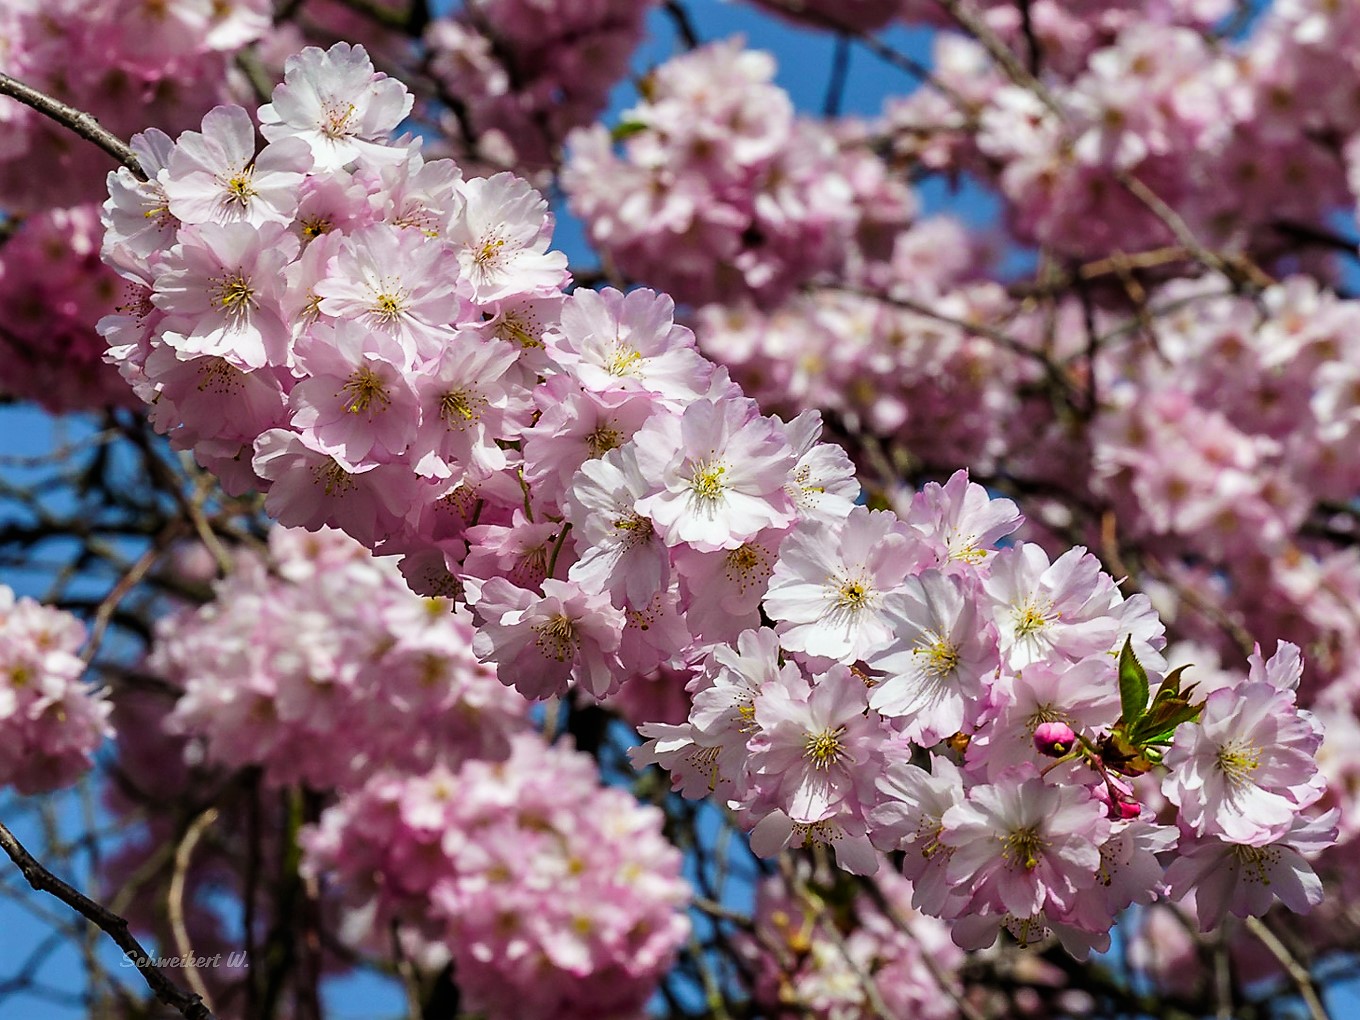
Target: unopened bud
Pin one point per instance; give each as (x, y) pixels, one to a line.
(1054, 739)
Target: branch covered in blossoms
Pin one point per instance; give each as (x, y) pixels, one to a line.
(722, 499)
(391, 353)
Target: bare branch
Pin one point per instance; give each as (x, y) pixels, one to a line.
(684, 25)
(78, 121)
(183, 853)
(1298, 973)
(187, 1004)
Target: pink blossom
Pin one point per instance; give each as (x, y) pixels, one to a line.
(1246, 880)
(834, 585)
(220, 287)
(356, 401)
(814, 747)
(938, 657)
(396, 281)
(1246, 768)
(336, 103)
(620, 551)
(1021, 844)
(215, 176)
(501, 235)
(718, 473)
(539, 643)
(624, 345)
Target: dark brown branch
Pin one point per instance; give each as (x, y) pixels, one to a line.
(1033, 51)
(840, 69)
(1310, 234)
(188, 1005)
(684, 25)
(78, 121)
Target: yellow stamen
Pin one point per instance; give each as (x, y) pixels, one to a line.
(824, 749)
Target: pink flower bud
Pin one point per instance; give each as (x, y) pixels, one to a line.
(1119, 798)
(1054, 739)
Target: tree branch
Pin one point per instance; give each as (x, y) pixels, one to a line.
(188, 1005)
(684, 25)
(1298, 973)
(81, 123)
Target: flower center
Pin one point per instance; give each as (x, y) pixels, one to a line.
(460, 407)
(490, 254)
(636, 528)
(365, 388)
(235, 295)
(824, 749)
(333, 479)
(708, 483)
(388, 307)
(941, 657)
(556, 638)
(965, 549)
(747, 565)
(624, 361)
(853, 595)
(335, 118)
(1237, 759)
(239, 189)
(314, 226)
(219, 376)
(1031, 617)
(521, 331)
(602, 440)
(746, 716)
(1022, 847)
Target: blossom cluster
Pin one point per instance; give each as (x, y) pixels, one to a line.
(526, 72)
(51, 723)
(899, 954)
(53, 289)
(555, 898)
(1148, 98)
(325, 639)
(893, 635)
(388, 350)
(1065, 31)
(721, 192)
(126, 62)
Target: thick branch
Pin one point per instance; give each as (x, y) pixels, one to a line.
(188, 1005)
(78, 121)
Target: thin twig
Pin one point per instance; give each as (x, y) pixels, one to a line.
(1239, 269)
(1235, 269)
(131, 578)
(81, 123)
(187, 1004)
(175, 901)
(1298, 973)
(971, 23)
(684, 24)
(840, 69)
(1000, 337)
(1033, 51)
(884, 52)
(966, 1009)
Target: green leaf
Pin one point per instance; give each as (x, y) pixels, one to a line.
(1170, 707)
(627, 129)
(1133, 684)
(1159, 725)
(1171, 685)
